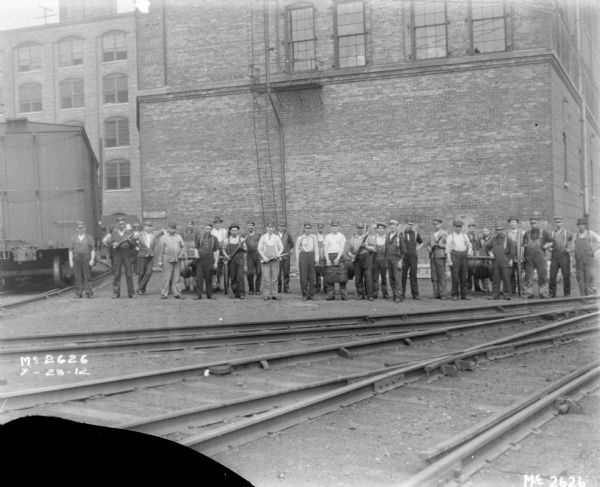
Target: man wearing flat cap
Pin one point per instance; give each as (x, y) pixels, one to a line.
(219, 274)
(147, 240)
(380, 262)
(586, 242)
(82, 252)
(500, 247)
(122, 243)
(413, 242)
(283, 279)
(234, 248)
(171, 250)
(534, 242)
(307, 257)
(561, 245)
(253, 259)
(458, 248)
(472, 281)
(208, 256)
(321, 283)
(515, 234)
(335, 245)
(437, 259)
(395, 250)
(362, 248)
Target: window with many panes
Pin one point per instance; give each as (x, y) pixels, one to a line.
(30, 98)
(117, 174)
(350, 34)
(70, 52)
(114, 88)
(116, 132)
(29, 57)
(71, 93)
(114, 47)
(488, 27)
(429, 30)
(301, 37)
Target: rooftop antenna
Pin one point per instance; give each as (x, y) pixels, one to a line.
(46, 14)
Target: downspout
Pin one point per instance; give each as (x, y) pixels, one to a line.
(584, 152)
(275, 109)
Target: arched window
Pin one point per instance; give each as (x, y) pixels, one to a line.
(116, 132)
(117, 174)
(70, 52)
(29, 57)
(30, 98)
(114, 46)
(114, 87)
(71, 93)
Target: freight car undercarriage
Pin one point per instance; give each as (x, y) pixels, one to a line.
(27, 262)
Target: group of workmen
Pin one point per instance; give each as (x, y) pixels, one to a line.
(380, 257)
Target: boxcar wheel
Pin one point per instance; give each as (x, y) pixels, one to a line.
(57, 272)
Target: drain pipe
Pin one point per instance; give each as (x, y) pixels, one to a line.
(275, 109)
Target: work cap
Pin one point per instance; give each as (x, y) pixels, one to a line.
(335, 223)
(393, 222)
(499, 227)
(251, 223)
(218, 219)
(471, 225)
(148, 223)
(234, 225)
(172, 225)
(457, 223)
(558, 218)
(381, 225)
(437, 220)
(120, 220)
(307, 225)
(320, 225)
(80, 224)
(511, 218)
(582, 221)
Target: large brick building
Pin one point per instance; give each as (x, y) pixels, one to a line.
(369, 109)
(81, 70)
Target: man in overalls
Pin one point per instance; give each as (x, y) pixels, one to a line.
(335, 245)
(121, 242)
(584, 257)
(437, 259)
(380, 262)
(233, 252)
(473, 283)
(306, 259)
(534, 241)
(562, 240)
(321, 283)
(410, 259)
(395, 250)
(501, 247)
(253, 259)
(208, 254)
(362, 247)
(458, 248)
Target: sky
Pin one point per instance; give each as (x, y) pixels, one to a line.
(24, 13)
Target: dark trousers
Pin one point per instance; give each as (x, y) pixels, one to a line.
(219, 274)
(514, 273)
(379, 271)
(438, 277)
(82, 273)
(204, 272)
(321, 271)
(409, 263)
(536, 261)
(562, 262)
(336, 273)
(473, 282)
(501, 275)
(144, 271)
(254, 271)
(363, 274)
(122, 259)
(306, 264)
(584, 268)
(394, 275)
(236, 276)
(459, 273)
(284, 274)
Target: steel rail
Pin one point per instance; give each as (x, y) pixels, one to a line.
(27, 398)
(225, 411)
(243, 431)
(470, 456)
(53, 292)
(168, 342)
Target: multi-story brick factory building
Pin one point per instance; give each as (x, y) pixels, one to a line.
(81, 70)
(369, 109)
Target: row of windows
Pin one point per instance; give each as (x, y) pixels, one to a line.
(71, 52)
(71, 94)
(429, 22)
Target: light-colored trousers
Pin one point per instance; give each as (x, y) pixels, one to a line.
(170, 278)
(269, 275)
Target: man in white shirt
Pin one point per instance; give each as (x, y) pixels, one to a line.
(586, 242)
(307, 257)
(335, 244)
(221, 234)
(437, 259)
(270, 248)
(458, 247)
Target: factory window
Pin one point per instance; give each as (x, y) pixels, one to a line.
(116, 132)
(114, 87)
(29, 57)
(429, 30)
(71, 93)
(301, 37)
(70, 52)
(30, 98)
(117, 174)
(488, 28)
(114, 47)
(350, 34)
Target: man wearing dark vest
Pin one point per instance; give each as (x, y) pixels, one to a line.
(472, 282)
(437, 259)
(562, 241)
(145, 256)
(233, 252)
(586, 242)
(396, 248)
(413, 243)
(515, 234)
(121, 242)
(380, 263)
(253, 259)
(501, 247)
(482, 241)
(534, 241)
(208, 254)
(322, 265)
(307, 256)
(283, 280)
(362, 248)
(458, 248)
(82, 252)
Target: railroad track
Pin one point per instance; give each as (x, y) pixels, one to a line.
(51, 293)
(212, 335)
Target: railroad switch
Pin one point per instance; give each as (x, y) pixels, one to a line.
(345, 353)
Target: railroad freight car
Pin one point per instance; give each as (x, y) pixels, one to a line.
(49, 180)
